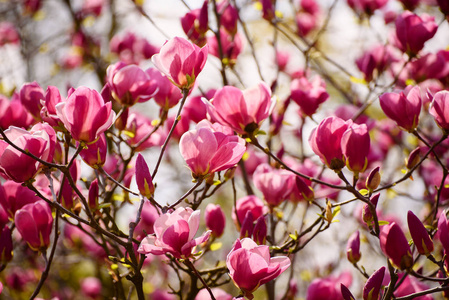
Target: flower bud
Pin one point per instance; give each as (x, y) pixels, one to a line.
(95, 154)
(6, 246)
(260, 231)
(346, 293)
(31, 95)
(34, 222)
(91, 287)
(366, 212)
(355, 144)
(247, 225)
(372, 286)
(395, 246)
(419, 234)
(353, 248)
(143, 177)
(215, 219)
(373, 179)
(413, 159)
(305, 190)
(93, 194)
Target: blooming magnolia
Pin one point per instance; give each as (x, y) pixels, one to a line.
(174, 234)
(439, 109)
(243, 111)
(85, 115)
(251, 266)
(403, 107)
(355, 144)
(328, 287)
(325, 141)
(412, 31)
(19, 166)
(395, 245)
(308, 94)
(210, 148)
(34, 222)
(181, 61)
(275, 185)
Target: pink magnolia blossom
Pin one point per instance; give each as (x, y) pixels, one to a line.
(366, 6)
(167, 94)
(411, 285)
(328, 287)
(215, 219)
(243, 111)
(131, 48)
(375, 61)
(174, 234)
(308, 94)
(143, 177)
(48, 111)
(228, 16)
(91, 287)
(195, 24)
(355, 144)
(248, 203)
(412, 31)
(275, 184)
(353, 248)
(92, 198)
(130, 84)
(420, 236)
(372, 287)
(34, 222)
(31, 95)
(395, 246)
(14, 196)
(231, 45)
(6, 246)
(251, 266)
(325, 141)
(211, 148)
(181, 61)
(13, 113)
(439, 109)
(137, 127)
(260, 231)
(19, 166)
(95, 154)
(403, 107)
(85, 115)
(8, 34)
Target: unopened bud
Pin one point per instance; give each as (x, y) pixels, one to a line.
(353, 248)
(413, 159)
(260, 231)
(247, 225)
(373, 179)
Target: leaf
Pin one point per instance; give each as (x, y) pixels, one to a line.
(104, 205)
(364, 192)
(358, 80)
(216, 246)
(293, 236)
(381, 223)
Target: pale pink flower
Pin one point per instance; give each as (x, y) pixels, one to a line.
(251, 266)
(181, 61)
(211, 148)
(174, 234)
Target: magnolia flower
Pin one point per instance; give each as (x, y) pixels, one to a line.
(174, 234)
(250, 265)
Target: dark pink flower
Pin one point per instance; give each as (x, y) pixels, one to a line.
(325, 141)
(19, 166)
(395, 246)
(31, 95)
(231, 46)
(251, 266)
(181, 61)
(6, 245)
(412, 31)
(138, 127)
(439, 109)
(85, 114)
(195, 25)
(215, 219)
(211, 148)
(48, 111)
(34, 223)
(275, 184)
(420, 236)
(260, 231)
(243, 111)
(93, 194)
(131, 84)
(95, 154)
(228, 16)
(366, 6)
(410, 285)
(14, 196)
(13, 113)
(355, 144)
(308, 94)
(328, 287)
(174, 234)
(143, 177)
(353, 248)
(167, 94)
(403, 107)
(248, 203)
(372, 287)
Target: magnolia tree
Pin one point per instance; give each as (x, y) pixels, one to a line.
(239, 150)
